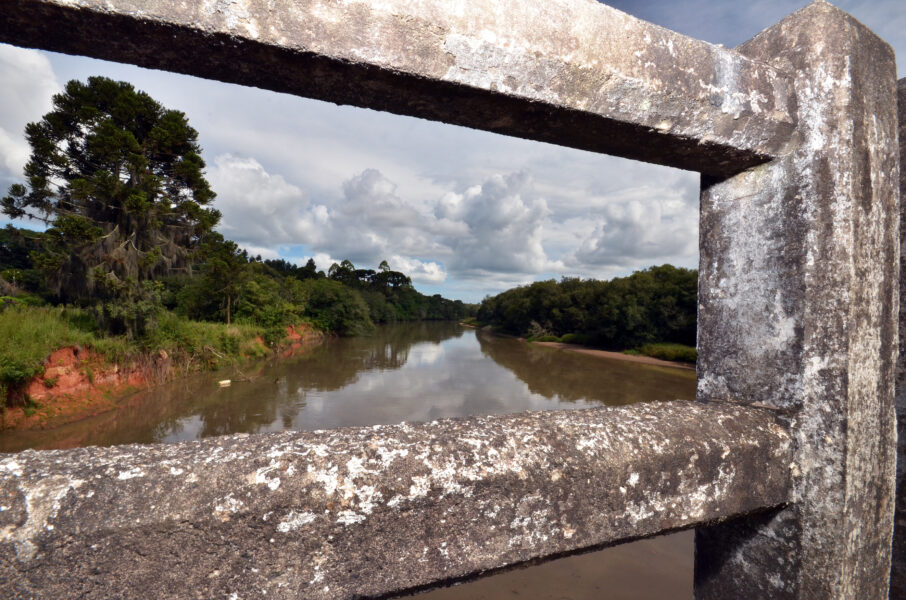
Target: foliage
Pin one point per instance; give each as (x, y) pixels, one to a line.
(31, 334)
(17, 272)
(655, 305)
(118, 178)
(391, 297)
(335, 307)
(674, 352)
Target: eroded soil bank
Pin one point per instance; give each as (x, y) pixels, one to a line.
(78, 383)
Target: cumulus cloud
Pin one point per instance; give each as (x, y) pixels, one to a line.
(29, 83)
(368, 222)
(419, 271)
(499, 223)
(647, 225)
(498, 233)
(491, 229)
(259, 209)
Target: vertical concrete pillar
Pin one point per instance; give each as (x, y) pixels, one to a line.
(798, 288)
(898, 567)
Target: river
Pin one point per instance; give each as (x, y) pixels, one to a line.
(415, 372)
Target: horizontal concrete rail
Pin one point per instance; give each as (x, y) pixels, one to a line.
(375, 510)
(570, 72)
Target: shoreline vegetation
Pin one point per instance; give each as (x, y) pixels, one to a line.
(649, 314)
(62, 372)
(636, 356)
(58, 364)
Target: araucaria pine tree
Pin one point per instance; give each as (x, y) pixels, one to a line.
(119, 181)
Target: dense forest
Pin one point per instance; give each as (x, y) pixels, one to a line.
(224, 284)
(657, 305)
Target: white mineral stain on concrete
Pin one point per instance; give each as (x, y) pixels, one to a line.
(348, 517)
(43, 498)
(131, 473)
(294, 520)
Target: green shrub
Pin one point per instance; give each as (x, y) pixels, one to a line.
(576, 338)
(674, 352)
(30, 407)
(333, 306)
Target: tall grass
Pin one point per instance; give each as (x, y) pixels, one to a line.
(28, 335)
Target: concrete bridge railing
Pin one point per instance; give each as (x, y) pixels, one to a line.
(785, 464)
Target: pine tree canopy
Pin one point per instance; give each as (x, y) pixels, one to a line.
(119, 180)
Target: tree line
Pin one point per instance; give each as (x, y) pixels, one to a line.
(118, 181)
(656, 305)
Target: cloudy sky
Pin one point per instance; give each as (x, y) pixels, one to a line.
(466, 213)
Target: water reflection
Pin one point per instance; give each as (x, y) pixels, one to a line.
(413, 372)
(570, 377)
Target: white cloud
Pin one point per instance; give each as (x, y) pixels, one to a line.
(25, 95)
(497, 233)
(641, 226)
(497, 227)
(263, 252)
(259, 209)
(419, 271)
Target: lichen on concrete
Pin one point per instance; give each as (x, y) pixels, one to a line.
(798, 290)
(374, 510)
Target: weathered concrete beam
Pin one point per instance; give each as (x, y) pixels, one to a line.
(798, 306)
(374, 510)
(570, 72)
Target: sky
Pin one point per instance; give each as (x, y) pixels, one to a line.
(465, 213)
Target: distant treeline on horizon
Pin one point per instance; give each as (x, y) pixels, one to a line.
(656, 305)
(222, 283)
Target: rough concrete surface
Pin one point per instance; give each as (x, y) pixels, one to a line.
(374, 510)
(798, 305)
(570, 72)
(898, 568)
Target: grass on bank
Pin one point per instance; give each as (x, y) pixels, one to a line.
(30, 334)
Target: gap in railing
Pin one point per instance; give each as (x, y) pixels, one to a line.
(570, 213)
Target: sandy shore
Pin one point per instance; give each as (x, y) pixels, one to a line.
(647, 360)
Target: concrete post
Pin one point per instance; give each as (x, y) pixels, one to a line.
(798, 304)
(898, 568)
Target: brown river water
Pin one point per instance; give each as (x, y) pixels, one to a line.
(416, 372)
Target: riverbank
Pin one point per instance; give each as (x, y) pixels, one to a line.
(76, 382)
(578, 348)
(636, 358)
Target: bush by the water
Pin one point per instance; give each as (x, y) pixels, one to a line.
(673, 352)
